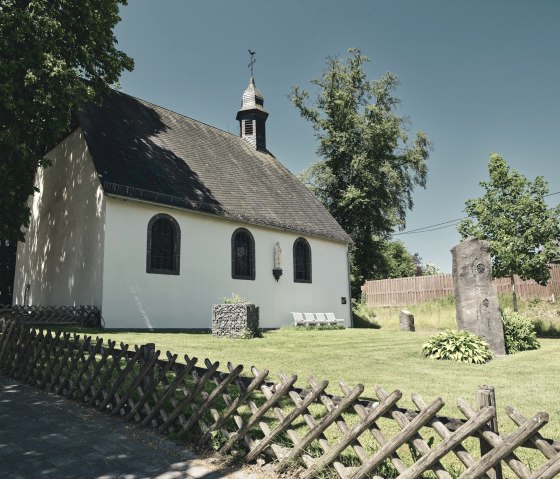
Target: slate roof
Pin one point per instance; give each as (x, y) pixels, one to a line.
(147, 152)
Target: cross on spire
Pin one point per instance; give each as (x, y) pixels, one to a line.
(252, 61)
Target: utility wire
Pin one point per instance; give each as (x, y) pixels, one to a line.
(425, 230)
(434, 227)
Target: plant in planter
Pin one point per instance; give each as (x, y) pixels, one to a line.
(236, 299)
(236, 317)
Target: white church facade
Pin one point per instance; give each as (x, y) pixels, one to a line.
(153, 217)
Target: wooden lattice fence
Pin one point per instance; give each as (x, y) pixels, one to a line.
(54, 315)
(305, 431)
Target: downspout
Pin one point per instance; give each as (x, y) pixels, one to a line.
(349, 285)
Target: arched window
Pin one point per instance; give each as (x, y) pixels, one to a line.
(242, 254)
(164, 245)
(302, 261)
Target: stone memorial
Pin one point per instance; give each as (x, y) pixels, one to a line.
(476, 297)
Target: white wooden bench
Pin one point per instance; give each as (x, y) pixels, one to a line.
(315, 319)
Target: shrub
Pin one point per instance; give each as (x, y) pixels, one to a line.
(519, 332)
(459, 346)
(363, 315)
(319, 327)
(235, 299)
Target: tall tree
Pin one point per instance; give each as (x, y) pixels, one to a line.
(418, 263)
(397, 261)
(369, 168)
(54, 56)
(430, 269)
(513, 215)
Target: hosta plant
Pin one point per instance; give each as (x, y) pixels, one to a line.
(459, 346)
(519, 332)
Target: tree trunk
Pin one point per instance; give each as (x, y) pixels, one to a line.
(514, 293)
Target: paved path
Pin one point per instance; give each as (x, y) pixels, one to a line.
(45, 436)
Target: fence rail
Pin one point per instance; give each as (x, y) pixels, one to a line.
(302, 430)
(418, 289)
(54, 315)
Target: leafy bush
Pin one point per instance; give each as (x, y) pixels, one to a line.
(320, 327)
(519, 332)
(459, 346)
(235, 299)
(363, 315)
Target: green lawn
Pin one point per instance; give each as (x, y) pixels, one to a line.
(386, 357)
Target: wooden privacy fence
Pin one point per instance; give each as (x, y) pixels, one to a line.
(81, 315)
(304, 431)
(417, 289)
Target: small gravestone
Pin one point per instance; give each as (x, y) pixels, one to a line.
(407, 321)
(476, 298)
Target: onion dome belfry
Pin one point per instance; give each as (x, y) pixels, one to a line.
(252, 117)
(252, 97)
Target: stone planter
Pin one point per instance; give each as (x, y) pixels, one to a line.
(235, 320)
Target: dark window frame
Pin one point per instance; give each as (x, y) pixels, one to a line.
(308, 278)
(251, 255)
(176, 246)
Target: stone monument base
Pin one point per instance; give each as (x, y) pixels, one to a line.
(235, 320)
(407, 321)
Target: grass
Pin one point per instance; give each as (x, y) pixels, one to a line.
(386, 357)
(440, 314)
(433, 315)
(391, 358)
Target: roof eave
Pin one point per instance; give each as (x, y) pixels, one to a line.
(346, 241)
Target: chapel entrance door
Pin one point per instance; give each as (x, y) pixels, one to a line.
(8, 250)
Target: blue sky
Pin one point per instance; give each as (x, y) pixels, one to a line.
(477, 76)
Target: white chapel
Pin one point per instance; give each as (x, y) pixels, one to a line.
(153, 217)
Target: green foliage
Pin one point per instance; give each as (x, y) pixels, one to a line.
(369, 168)
(513, 215)
(431, 269)
(363, 315)
(250, 334)
(535, 301)
(396, 261)
(422, 269)
(235, 299)
(49, 47)
(459, 346)
(519, 332)
(320, 327)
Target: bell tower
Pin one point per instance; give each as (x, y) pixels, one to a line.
(251, 116)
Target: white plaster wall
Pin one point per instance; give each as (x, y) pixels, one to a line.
(133, 298)
(62, 257)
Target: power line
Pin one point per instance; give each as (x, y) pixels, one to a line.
(430, 227)
(426, 229)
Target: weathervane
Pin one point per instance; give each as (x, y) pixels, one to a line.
(252, 62)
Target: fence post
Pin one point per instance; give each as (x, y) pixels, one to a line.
(148, 352)
(486, 396)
